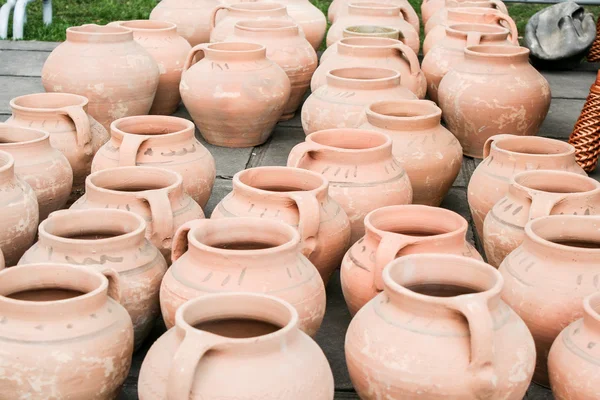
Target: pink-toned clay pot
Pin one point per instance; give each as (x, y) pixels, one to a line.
(299, 198)
(43, 167)
(97, 62)
(393, 232)
(165, 142)
(340, 7)
(192, 17)
(221, 346)
(234, 94)
(441, 14)
(107, 239)
(439, 330)
(362, 172)
(428, 152)
(369, 31)
(342, 101)
(63, 329)
(19, 212)
(547, 277)
(232, 255)
(311, 20)
(531, 195)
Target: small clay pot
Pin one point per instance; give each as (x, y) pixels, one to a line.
(340, 7)
(370, 31)
(441, 14)
(192, 17)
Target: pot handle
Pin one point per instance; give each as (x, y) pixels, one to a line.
(473, 38)
(190, 58)
(161, 227)
(389, 245)
(404, 13)
(299, 152)
(487, 146)
(180, 239)
(130, 145)
(499, 6)
(510, 24)
(213, 15)
(309, 216)
(410, 55)
(114, 284)
(82, 126)
(542, 203)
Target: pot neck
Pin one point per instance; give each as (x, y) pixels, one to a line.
(497, 55)
(359, 78)
(404, 115)
(356, 146)
(272, 29)
(7, 167)
(528, 152)
(235, 52)
(22, 141)
(97, 34)
(477, 33)
(47, 104)
(255, 10)
(367, 47)
(150, 28)
(157, 130)
(469, 14)
(374, 10)
(553, 185)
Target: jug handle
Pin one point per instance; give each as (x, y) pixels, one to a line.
(542, 203)
(499, 6)
(192, 54)
(410, 55)
(512, 27)
(161, 227)
(213, 15)
(487, 146)
(299, 152)
(180, 239)
(82, 127)
(130, 145)
(309, 220)
(404, 13)
(473, 38)
(114, 284)
(389, 245)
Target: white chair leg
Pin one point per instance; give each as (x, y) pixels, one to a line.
(19, 18)
(47, 12)
(4, 16)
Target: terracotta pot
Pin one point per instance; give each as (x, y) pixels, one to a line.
(428, 152)
(168, 142)
(515, 97)
(107, 239)
(155, 194)
(298, 198)
(393, 232)
(311, 20)
(340, 7)
(367, 52)
(369, 31)
(235, 94)
(429, 8)
(192, 17)
(440, 15)
(363, 174)
(547, 277)
(266, 261)
(341, 102)
(96, 62)
(534, 194)
(449, 51)
(19, 213)
(427, 340)
(250, 333)
(44, 168)
(63, 329)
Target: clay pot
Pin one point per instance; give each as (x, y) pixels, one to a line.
(493, 91)
(192, 17)
(235, 94)
(440, 317)
(441, 14)
(363, 174)
(310, 19)
(43, 167)
(249, 333)
(236, 257)
(367, 52)
(428, 152)
(370, 31)
(534, 194)
(63, 329)
(547, 277)
(393, 232)
(19, 213)
(107, 239)
(341, 102)
(300, 199)
(340, 7)
(153, 193)
(168, 142)
(96, 62)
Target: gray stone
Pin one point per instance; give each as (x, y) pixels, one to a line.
(561, 118)
(220, 189)
(30, 62)
(11, 86)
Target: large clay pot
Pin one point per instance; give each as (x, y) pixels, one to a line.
(369, 31)
(235, 94)
(107, 239)
(362, 172)
(341, 102)
(309, 18)
(192, 17)
(534, 194)
(167, 142)
(547, 277)
(428, 152)
(250, 335)
(440, 16)
(43, 167)
(63, 329)
(238, 257)
(340, 7)
(98, 62)
(155, 194)
(493, 91)
(298, 198)
(439, 330)
(393, 232)
(19, 213)
(367, 52)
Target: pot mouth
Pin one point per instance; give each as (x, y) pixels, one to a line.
(498, 52)
(131, 180)
(99, 33)
(12, 135)
(238, 47)
(556, 181)
(532, 145)
(267, 25)
(364, 74)
(480, 28)
(591, 305)
(368, 42)
(47, 102)
(93, 29)
(373, 5)
(371, 30)
(350, 140)
(570, 233)
(147, 25)
(280, 181)
(151, 125)
(258, 6)
(473, 10)
(7, 161)
(404, 110)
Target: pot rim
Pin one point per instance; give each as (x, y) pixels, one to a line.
(14, 103)
(356, 30)
(434, 110)
(164, 26)
(572, 220)
(391, 74)
(186, 126)
(260, 6)
(42, 135)
(277, 26)
(517, 181)
(322, 188)
(178, 180)
(7, 161)
(496, 145)
(387, 140)
(498, 52)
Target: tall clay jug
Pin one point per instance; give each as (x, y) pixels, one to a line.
(340, 7)
(192, 17)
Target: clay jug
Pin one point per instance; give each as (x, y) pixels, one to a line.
(235, 94)
(369, 31)
(300, 199)
(367, 52)
(534, 194)
(440, 15)
(72, 130)
(107, 239)
(439, 330)
(340, 7)
(96, 62)
(547, 277)
(192, 17)
(393, 232)
(362, 172)
(287, 47)
(341, 102)
(238, 257)
(168, 142)
(428, 152)
(154, 193)
(494, 90)
(43, 167)
(311, 20)
(449, 51)
(19, 213)
(63, 329)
